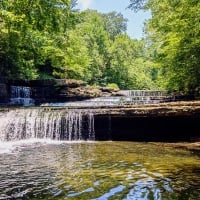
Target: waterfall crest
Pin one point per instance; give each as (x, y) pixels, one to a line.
(46, 124)
(128, 97)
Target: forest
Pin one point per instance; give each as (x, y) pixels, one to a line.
(45, 39)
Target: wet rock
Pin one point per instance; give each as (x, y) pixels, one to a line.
(54, 90)
(3, 93)
(71, 83)
(183, 108)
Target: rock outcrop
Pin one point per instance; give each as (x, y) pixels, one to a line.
(181, 108)
(171, 122)
(54, 90)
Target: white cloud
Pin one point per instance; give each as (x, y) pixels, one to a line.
(85, 4)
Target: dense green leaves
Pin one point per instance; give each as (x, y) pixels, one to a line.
(28, 26)
(75, 64)
(174, 34)
(51, 39)
(97, 41)
(115, 24)
(137, 4)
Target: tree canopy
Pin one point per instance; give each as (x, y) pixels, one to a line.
(52, 39)
(174, 34)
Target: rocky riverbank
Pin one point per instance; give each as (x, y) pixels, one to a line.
(179, 108)
(163, 122)
(53, 90)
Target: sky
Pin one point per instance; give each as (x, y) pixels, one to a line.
(135, 20)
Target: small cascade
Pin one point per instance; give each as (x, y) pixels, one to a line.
(144, 93)
(46, 124)
(129, 97)
(136, 97)
(91, 126)
(21, 95)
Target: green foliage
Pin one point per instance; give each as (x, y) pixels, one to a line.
(74, 60)
(174, 29)
(27, 27)
(97, 39)
(115, 24)
(173, 39)
(112, 86)
(51, 39)
(137, 4)
(128, 68)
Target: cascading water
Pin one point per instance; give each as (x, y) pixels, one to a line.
(143, 93)
(143, 96)
(21, 95)
(130, 97)
(46, 124)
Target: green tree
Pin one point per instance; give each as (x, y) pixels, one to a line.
(128, 67)
(97, 39)
(27, 27)
(174, 27)
(71, 59)
(137, 4)
(115, 24)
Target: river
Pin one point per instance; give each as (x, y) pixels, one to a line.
(46, 169)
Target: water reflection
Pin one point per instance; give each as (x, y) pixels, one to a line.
(98, 171)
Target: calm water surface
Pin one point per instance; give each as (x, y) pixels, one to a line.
(98, 171)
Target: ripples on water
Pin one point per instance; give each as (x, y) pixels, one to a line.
(97, 171)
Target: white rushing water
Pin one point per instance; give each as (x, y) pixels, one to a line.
(21, 95)
(70, 125)
(129, 97)
(10, 147)
(144, 93)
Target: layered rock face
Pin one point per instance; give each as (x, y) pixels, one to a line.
(53, 90)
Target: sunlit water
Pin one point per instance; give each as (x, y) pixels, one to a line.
(97, 171)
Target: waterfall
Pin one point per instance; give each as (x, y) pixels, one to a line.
(41, 123)
(144, 93)
(21, 95)
(136, 97)
(128, 97)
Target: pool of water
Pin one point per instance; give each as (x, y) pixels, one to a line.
(98, 171)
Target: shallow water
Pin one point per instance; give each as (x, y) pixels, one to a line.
(98, 171)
